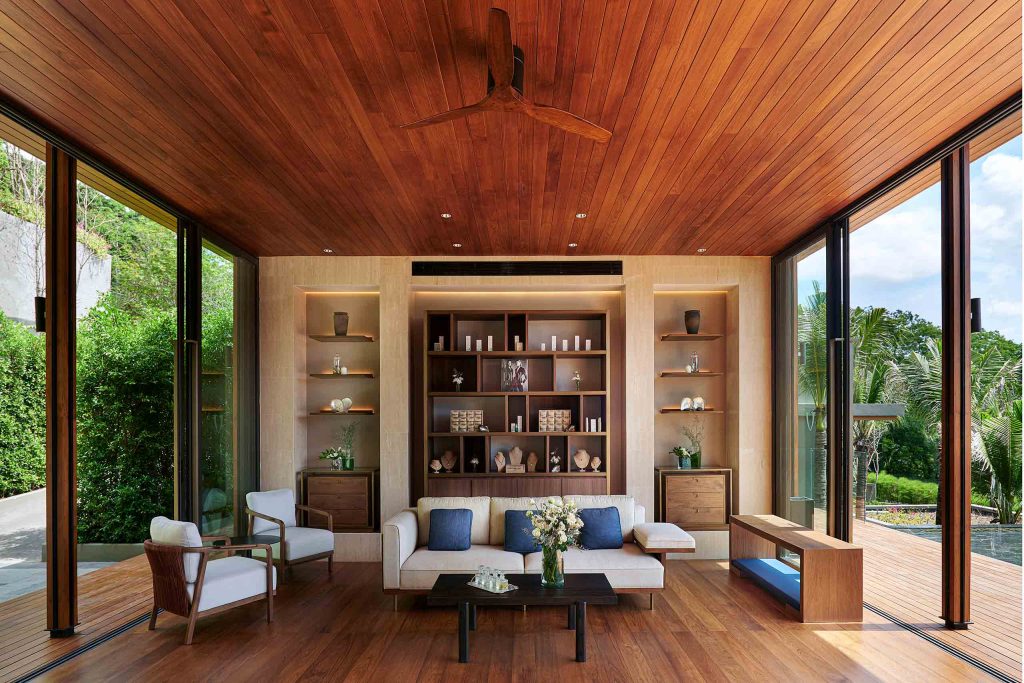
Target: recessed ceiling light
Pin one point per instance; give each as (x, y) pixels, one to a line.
(573, 245)
(701, 250)
(581, 215)
(446, 216)
(457, 245)
(328, 251)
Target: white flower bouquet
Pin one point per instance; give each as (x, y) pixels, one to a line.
(556, 527)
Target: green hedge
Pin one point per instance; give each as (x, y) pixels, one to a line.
(892, 489)
(22, 408)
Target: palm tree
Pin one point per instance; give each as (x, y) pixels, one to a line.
(995, 387)
(997, 446)
(813, 381)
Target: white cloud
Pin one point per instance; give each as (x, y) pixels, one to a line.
(899, 246)
(1003, 173)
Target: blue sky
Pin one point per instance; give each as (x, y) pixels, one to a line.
(895, 260)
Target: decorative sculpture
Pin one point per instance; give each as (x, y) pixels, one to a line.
(595, 464)
(531, 462)
(435, 465)
(515, 456)
(448, 461)
(582, 459)
(499, 461)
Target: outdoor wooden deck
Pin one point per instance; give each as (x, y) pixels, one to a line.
(108, 598)
(902, 575)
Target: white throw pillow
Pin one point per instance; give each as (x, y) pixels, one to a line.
(279, 504)
(480, 506)
(184, 534)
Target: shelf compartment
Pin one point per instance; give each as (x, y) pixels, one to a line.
(541, 326)
(440, 370)
(439, 325)
(593, 444)
(539, 372)
(505, 443)
(517, 408)
(352, 374)
(592, 373)
(340, 338)
(479, 326)
(441, 407)
(539, 403)
(474, 447)
(438, 448)
(683, 336)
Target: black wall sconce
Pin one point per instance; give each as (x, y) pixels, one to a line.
(976, 315)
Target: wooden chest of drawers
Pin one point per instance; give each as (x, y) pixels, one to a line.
(350, 496)
(696, 500)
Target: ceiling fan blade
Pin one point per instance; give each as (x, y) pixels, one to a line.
(566, 121)
(482, 105)
(499, 48)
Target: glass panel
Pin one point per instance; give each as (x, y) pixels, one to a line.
(802, 404)
(996, 175)
(218, 475)
(22, 364)
(126, 271)
(895, 330)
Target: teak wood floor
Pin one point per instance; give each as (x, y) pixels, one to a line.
(903, 574)
(707, 625)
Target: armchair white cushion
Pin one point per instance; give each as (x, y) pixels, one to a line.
(279, 504)
(300, 542)
(231, 579)
(184, 534)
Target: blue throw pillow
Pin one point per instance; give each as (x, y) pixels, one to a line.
(602, 529)
(519, 533)
(450, 529)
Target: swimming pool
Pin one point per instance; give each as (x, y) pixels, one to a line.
(998, 541)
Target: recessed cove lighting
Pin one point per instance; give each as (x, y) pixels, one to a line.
(702, 250)
(457, 245)
(328, 251)
(581, 215)
(573, 245)
(446, 216)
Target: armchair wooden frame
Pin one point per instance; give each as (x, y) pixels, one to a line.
(282, 563)
(169, 584)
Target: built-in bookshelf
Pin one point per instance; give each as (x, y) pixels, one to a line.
(537, 380)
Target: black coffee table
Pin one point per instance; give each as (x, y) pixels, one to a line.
(579, 590)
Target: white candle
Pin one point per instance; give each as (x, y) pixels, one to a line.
(576, 344)
(490, 342)
(565, 344)
(440, 342)
(469, 343)
(519, 423)
(479, 344)
(600, 428)
(543, 346)
(554, 343)
(588, 345)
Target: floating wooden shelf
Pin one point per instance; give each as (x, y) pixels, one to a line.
(683, 336)
(354, 374)
(346, 338)
(684, 373)
(351, 411)
(670, 409)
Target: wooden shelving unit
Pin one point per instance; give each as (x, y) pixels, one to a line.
(685, 337)
(549, 387)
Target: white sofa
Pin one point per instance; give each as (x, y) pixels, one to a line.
(635, 568)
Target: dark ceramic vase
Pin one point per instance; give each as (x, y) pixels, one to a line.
(692, 319)
(341, 324)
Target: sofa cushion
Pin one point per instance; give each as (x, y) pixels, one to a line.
(625, 505)
(601, 528)
(300, 542)
(450, 529)
(279, 504)
(663, 535)
(519, 533)
(625, 567)
(424, 566)
(230, 579)
(498, 508)
(184, 534)
(480, 506)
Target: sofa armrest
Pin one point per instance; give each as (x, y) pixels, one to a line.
(639, 514)
(398, 536)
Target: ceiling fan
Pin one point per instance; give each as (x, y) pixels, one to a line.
(505, 88)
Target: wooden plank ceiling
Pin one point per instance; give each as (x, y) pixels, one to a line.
(737, 126)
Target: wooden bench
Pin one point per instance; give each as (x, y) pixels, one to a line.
(828, 586)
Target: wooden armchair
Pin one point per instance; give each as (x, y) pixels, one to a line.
(187, 582)
(274, 513)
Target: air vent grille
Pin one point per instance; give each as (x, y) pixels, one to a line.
(478, 268)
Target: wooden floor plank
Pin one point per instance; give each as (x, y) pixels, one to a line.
(708, 625)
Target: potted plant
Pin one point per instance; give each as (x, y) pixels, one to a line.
(682, 457)
(693, 431)
(342, 457)
(556, 527)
